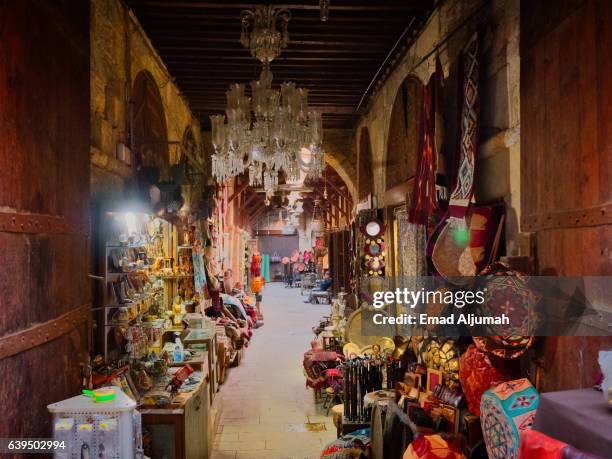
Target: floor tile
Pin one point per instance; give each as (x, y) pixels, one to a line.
(266, 406)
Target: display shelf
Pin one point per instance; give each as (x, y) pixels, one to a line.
(127, 246)
(175, 277)
(127, 273)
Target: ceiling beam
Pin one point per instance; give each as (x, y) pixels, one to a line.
(222, 57)
(249, 199)
(259, 202)
(367, 6)
(258, 213)
(207, 35)
(233, 18)
(158, 26)
(225, 51)
(329, 200)
(243, 186)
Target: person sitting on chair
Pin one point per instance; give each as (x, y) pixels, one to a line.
(323, 286)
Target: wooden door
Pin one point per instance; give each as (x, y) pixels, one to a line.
(339, 260)
(566, 158)
(44, 196)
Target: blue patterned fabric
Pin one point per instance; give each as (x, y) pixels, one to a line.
(505, 411)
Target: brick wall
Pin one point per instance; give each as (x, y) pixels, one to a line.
(119, 51)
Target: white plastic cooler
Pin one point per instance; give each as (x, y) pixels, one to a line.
(109, 430)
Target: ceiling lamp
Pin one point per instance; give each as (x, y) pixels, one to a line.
(324, 6)
(269, 131)
(318, 224)
(264, 31)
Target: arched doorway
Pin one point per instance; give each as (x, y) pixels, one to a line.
(403, 137)
(149, 132)
(364, 173)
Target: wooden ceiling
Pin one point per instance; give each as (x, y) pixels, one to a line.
(334, 197)
(336, 60)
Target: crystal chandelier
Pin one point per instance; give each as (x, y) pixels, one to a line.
(272, 130)
(264, 31)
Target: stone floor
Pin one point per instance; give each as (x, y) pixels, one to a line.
(265, 403)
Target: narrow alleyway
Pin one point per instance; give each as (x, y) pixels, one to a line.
(265, 404)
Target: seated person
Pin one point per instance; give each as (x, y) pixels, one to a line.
(323, 286)
(227, 281)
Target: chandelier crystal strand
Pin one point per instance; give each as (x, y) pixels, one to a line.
(265, 133)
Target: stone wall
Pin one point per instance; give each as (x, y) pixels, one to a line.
(119, 51)
(341, 155)
(445, 34)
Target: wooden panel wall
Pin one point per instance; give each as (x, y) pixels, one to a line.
(44, 188)
(566, 157)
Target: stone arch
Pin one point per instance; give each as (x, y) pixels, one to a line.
(345, 175)
(339, 148)
(365, 173)
(403, 133)
(149, 131)
(189, 144)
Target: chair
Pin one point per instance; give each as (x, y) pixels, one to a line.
(308, 282)
(325, 296)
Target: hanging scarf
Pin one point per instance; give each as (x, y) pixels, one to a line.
(424, 200)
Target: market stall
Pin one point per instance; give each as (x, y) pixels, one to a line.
(405, 391)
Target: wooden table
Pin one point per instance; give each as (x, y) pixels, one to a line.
(579, 417)
(184, 428)
(208, 337)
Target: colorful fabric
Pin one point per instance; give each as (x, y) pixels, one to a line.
(432, 447)
(265, 267)
(505, 412)
(470, 110)
(476, 375)
(425, 201)
(536, 445)
(353, 445)
(411, 248)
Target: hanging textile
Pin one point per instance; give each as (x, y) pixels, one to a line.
(442, 186)
(199, 272)
(470, 110)
(451, 255)
(265, 266)
(424, 201)
(410, 255)
(410, 246)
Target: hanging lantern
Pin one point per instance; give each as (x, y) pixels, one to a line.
(318, 225)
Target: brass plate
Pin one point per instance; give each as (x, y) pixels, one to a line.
(386, 344)
(350, 348)
(352, 332)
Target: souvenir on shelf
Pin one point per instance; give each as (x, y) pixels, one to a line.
(506, 411)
